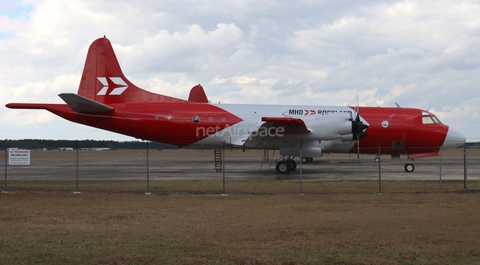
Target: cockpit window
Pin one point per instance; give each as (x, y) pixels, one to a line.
(435, 119)
(427, 119)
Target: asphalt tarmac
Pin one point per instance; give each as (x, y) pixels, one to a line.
(200, 165)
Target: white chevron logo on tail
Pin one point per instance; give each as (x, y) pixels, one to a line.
(121, 86)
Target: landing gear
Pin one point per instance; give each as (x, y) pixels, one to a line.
(285, 166)
(293, 164)
(409, 167)
(307, 160)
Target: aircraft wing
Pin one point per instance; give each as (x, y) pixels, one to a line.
(84, 105)
(276, 132)
(290, 125)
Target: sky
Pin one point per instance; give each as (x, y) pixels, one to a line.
(420, 54)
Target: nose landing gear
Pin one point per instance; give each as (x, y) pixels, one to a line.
(409, 167)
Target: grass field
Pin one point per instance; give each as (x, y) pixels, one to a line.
(259, 222)
(332, 224)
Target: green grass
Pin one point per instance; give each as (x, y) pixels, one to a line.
(260, 222)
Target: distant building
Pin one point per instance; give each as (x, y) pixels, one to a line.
(96, 149)
(65, 149)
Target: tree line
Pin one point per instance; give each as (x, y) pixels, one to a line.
(41, 144)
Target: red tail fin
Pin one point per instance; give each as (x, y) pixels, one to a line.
(103, 79)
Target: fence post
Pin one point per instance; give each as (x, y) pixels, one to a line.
(76, 175)
(440, 170)
(379, 171)
(301, 171)
(6, 158)
(465, 186)
(148, 172)
(223, 169)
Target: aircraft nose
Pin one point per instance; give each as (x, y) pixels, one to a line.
(453, 139)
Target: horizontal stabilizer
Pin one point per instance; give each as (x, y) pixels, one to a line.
(84, 105)
(27, 105)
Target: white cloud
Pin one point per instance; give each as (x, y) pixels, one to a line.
(418, 53)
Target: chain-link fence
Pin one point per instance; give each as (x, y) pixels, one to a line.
(454, 169)
(471, 162)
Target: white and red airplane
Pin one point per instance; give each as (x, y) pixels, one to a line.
(106, 99)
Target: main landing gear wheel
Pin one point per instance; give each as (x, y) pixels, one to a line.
(409, 167)
(283, 167)
(293, 164)
(307, 160)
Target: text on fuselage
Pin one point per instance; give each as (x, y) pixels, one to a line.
(303, 112)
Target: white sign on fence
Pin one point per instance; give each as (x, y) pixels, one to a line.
(19, 157)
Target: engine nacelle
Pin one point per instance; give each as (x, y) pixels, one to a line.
(306, 151)
(347, 138)
(343, 127)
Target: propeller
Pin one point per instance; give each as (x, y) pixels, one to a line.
(358, 130)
